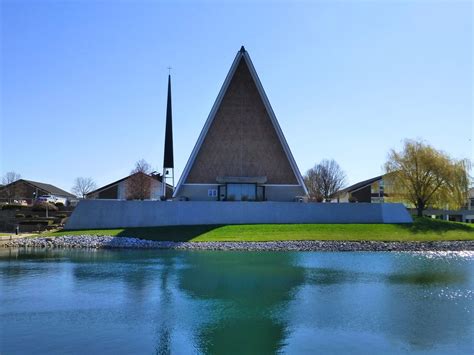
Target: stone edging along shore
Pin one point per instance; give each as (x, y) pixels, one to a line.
(109, 242)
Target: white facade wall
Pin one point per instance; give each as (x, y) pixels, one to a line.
(122, 190)
(155, 190)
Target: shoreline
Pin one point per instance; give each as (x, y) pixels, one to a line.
(111, 242)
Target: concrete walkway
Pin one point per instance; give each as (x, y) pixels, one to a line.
(14, 236)
(7, 238)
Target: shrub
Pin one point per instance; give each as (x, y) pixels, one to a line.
(41, 206)
(13, 206)
(19, 215)
(33, 222)
(61, 215)
(352, 199)
(59, 204)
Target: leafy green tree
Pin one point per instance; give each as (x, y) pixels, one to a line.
(423, 176)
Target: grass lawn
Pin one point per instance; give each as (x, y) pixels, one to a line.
(422, 229)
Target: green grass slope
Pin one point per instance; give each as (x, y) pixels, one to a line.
(423, 229)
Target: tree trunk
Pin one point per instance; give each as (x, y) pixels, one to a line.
(420, 206)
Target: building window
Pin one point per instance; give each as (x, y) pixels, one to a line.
(212, 192)
(241, 192)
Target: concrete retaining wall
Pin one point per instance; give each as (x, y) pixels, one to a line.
(91, 214)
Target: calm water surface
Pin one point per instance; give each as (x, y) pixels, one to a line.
(185, 302)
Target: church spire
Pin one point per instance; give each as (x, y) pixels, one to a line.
(168, 159)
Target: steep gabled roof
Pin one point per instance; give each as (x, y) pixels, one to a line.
(242, 57)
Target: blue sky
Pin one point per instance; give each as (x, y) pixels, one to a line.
(83, 83)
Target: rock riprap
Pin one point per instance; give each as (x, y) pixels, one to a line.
(96, 242)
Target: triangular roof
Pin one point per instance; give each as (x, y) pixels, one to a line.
(156, 177)
(243, 67)
(48, 188)
(360, 185)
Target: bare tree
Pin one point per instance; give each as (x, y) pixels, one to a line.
(424, 176)
(14, 190)
(141, 166)
(10, 177)
(139, 183)
(82, 186)
(325, 179)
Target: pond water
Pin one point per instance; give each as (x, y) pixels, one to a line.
(215, 302)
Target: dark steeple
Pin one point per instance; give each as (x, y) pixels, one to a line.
(168, 161)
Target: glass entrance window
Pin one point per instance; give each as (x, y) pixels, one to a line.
(241, 192)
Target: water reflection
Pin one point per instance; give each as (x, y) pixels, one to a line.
(370, 300)
(416, 317)
(249, 289)
(234, 302)
(164, 329)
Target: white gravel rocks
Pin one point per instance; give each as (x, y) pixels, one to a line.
(96, 242)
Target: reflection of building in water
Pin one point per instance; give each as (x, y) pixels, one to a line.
(245, 290)
(164, 315)
(156, 301)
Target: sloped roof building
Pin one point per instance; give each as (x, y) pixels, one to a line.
(370, 190)
(241, 153)
(120, 189)
(23, 189)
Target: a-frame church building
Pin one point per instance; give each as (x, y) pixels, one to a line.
(241, 153)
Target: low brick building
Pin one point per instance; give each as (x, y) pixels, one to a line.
(145, 187)
(27, 190)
